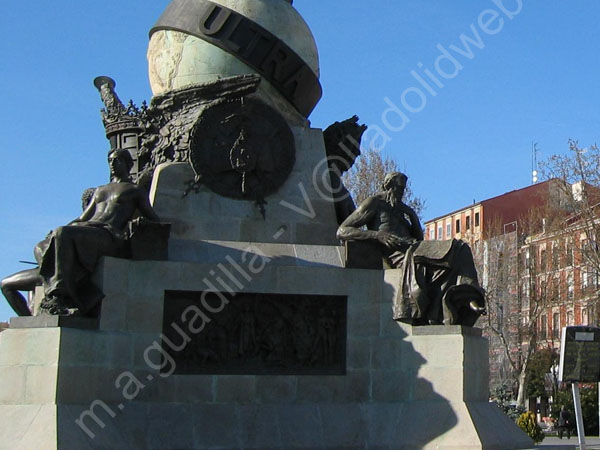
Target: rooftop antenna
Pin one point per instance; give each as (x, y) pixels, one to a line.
(534, 166)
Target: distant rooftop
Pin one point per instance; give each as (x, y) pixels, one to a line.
(516, 192)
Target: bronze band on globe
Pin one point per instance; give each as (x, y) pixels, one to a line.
(250, 43)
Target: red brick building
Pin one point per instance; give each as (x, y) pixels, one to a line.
(492, 217)
(560, 271)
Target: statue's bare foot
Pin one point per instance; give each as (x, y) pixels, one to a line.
(478, 309)
(53, 306)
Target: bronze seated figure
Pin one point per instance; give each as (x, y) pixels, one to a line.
(439, 280)
(69, 254)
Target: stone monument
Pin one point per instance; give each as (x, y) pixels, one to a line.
(247, 328)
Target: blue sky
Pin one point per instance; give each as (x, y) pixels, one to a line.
(535, 79)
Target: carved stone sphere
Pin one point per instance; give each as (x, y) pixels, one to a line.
(177, 59)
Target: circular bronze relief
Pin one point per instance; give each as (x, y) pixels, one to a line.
(242, 149)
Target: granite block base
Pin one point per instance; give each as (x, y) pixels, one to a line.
(65, 385)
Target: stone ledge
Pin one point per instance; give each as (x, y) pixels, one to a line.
(82, 323)
(207, 252)
(441, 330)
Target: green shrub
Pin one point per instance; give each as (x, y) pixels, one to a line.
(502, 395)
(528, 423)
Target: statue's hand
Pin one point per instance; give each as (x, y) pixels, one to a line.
(141, 220)
(391, 240)
(135, 224)
(137, 221)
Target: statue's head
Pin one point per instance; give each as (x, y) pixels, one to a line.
(395, 182)
(120, 162)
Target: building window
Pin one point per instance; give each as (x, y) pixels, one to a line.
(585, 250)
(501, 269)
(544, 327)
(477, 219)
(542, 287)
(591, 314)
(551, 290)
(556, 287)
(458, 225)
(468, 223)
(439, 233)
(448, 230)
(570, 260)
(570, 318)
(555, 325)
(525, 259)
(432, 233)
(570, 286)
(543, 261)
(589, 278)
(525, 294)
(585, 280)
(584, 316)
(555, 258)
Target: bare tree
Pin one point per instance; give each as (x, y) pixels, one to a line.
(579, 173)
(520, 289)
(568, 222)
(365, 178)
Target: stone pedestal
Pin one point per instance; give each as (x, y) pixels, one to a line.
(300, 212)
(449, 407)
(252, 334)
(71, 388)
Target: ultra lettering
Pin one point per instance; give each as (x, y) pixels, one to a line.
(258, 48)
(214, 20)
